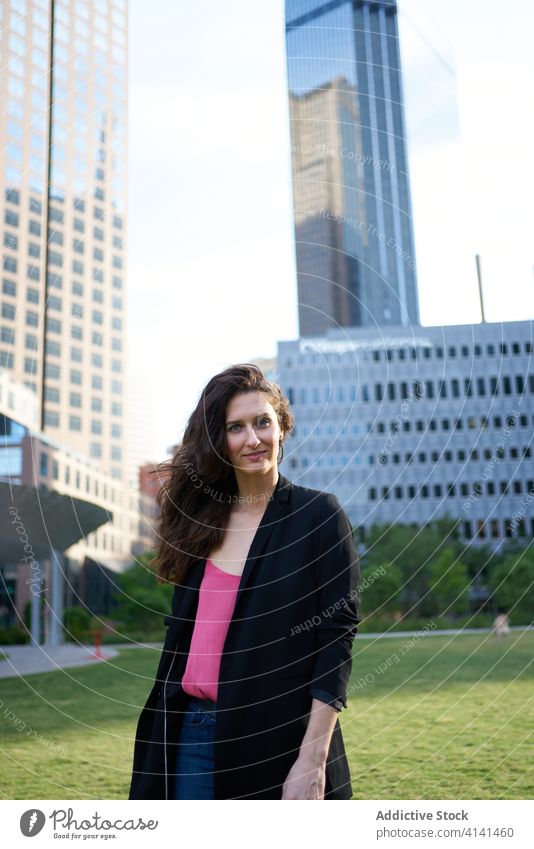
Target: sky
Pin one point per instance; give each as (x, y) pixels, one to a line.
(211, 278)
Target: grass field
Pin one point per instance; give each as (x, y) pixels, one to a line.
(445, 717)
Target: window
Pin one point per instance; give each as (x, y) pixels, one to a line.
(51, 393)
(52, 370)
(10, 264)
(12, 196)
(8, 311)
(54, 236)
(53, 348)
(11, 241)
(55, 215)
(43, 464)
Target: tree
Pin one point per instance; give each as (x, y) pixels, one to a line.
(411, 549)
(512, 581)
(448, 584)
(381, 587)
(141, 601)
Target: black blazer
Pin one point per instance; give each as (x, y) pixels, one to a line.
(290, 636)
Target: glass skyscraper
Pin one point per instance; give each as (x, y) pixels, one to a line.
(63, 200)
(353, 222)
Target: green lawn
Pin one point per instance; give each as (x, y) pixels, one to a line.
(449, 720)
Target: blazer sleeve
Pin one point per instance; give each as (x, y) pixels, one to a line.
(338, 588)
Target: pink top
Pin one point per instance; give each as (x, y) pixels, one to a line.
(216, 603)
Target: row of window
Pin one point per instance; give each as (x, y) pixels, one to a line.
(422, 457)
(57, 215)
(407, 392)
(56, 259)
(439, 352)
(8, 311)
(463, 490)
(53, 371)
(10, 264)
(52, 394)
(470, 423)
(52, 418)
(55, 281)
(497, 529)
(73, 477)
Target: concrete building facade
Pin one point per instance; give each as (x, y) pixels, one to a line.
(409, 427)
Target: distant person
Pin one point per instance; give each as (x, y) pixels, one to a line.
(258, 655)
(501, 625)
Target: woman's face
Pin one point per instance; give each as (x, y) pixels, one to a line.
(252, 433)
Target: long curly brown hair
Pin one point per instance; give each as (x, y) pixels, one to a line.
(198, 483)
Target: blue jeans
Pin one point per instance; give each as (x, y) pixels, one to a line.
(194, 772)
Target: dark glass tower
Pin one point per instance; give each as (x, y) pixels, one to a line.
(353, 222)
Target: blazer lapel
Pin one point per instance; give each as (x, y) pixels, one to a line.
(274, 511)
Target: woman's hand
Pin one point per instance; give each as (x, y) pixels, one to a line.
(305, 780)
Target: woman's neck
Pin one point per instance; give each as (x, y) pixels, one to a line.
(254, 493)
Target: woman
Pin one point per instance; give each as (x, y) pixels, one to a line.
(258, 653)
